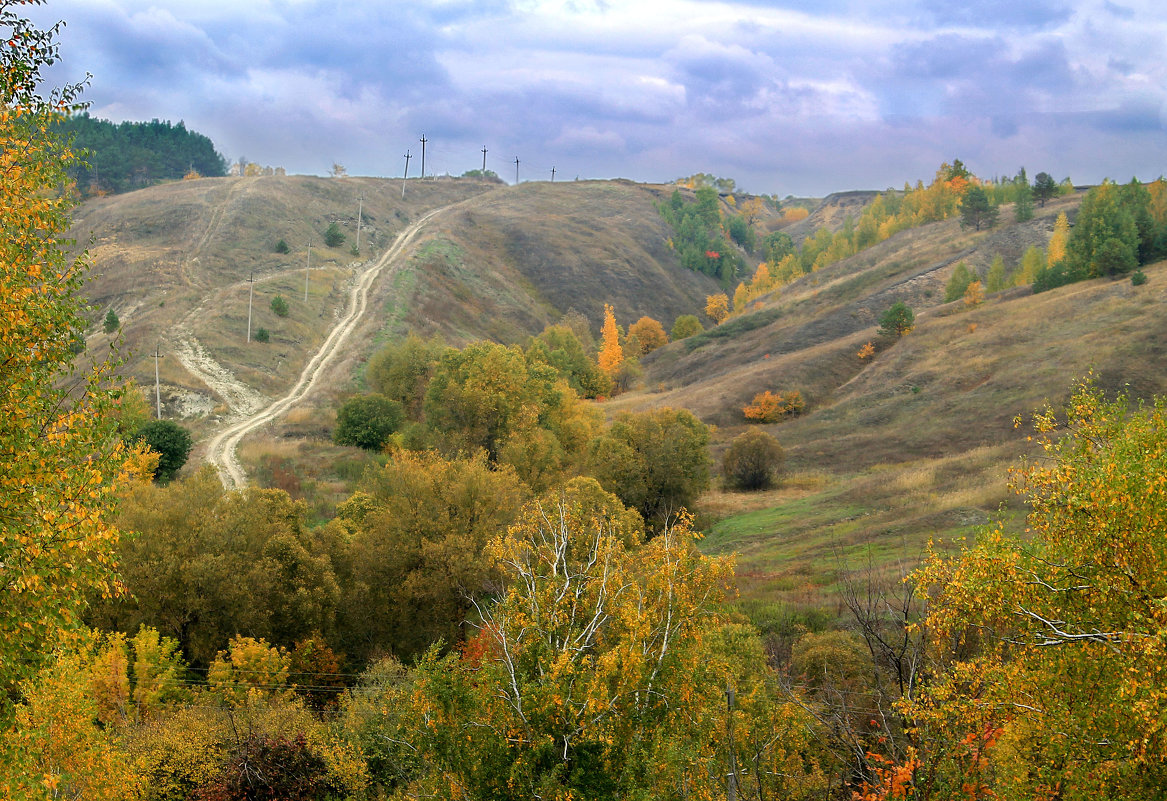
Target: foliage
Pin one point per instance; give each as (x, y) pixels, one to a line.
(898, 320)
(646, 335)
(215, 564)
(170, 441)
(752, 460)
(367, 421)
(1059, 238)
(717, 307)
(685, 326)
(1060, 637)
(279, 306)
(611, 354)
(1023, 202)
(770, 407)
(411, 558)
(333, 236)
(262, 335)
(974, 295)
(976, 210)
(267, 767)
(111, 322)
(560, 347)
(656, 462)
(57, 748)
(1138, 278)
(995, 281)
(282, 247)
(58, 439)
(1032, 263)
(401, 371)
(119, 157)
(961, 277)
(867, 351)
(599, 674)
(698, 236)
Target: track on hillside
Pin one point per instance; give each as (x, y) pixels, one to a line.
(221, 452)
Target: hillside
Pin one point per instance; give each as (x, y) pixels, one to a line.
(912, 443)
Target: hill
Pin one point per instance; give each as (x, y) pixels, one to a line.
(912, 443)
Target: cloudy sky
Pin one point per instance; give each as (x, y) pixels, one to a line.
(785, 96)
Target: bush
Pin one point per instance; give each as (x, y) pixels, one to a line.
(770, 407)
(333, 237)
(111, 322)
(898, 320)
(282, 247)
(170, 441)
(686, 325)
(752, 461)
(279, 306)
(262, 335)
(367, 421)
(1138, 278)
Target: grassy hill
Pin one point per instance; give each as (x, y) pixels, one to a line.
(912, 443)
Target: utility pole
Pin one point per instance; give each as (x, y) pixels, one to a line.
(731, 779)
(552, 175)
(250, 297)
(307, 270)
(423, 141)
(406, 178)
(516, 170)
(157, 388)
(484, 161)
(360, 210)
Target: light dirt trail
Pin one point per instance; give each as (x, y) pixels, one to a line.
(221, 452)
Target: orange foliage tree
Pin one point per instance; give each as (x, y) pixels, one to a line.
(611, 355)
(646, 335)
(769, 407)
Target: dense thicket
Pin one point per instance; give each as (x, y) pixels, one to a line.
(118, 157)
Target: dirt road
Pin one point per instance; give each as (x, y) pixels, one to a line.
(221, 451)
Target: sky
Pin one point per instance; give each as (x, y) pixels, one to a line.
(785, 97)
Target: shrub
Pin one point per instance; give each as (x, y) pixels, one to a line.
(262, 335)
(770, 407)
(1138, 278)
(111, 322)
(333, 237)
(282, 247)
(279, 306)
(686, 326)
(367, 421)
(170, 441)
(752, 461)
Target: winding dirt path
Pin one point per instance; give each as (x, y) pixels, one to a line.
(221, 451)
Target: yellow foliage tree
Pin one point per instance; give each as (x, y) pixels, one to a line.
(647, 334)
(1057, 243)
(717, 307)
(58, 444)
(611, 355)
(769, 407)
(974, 295)
(1062, 634)
(741, 298)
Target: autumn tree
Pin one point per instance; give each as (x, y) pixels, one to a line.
(58, 441)
(560, 346)
(646, 335)
(611, 354)
(210, 564)
(411, 559)
(717, 307)
(974, 295)
(1059, 238)
(598, 674)
(1060, 635)
(401, 371)
(995, 279)
(656, 461)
